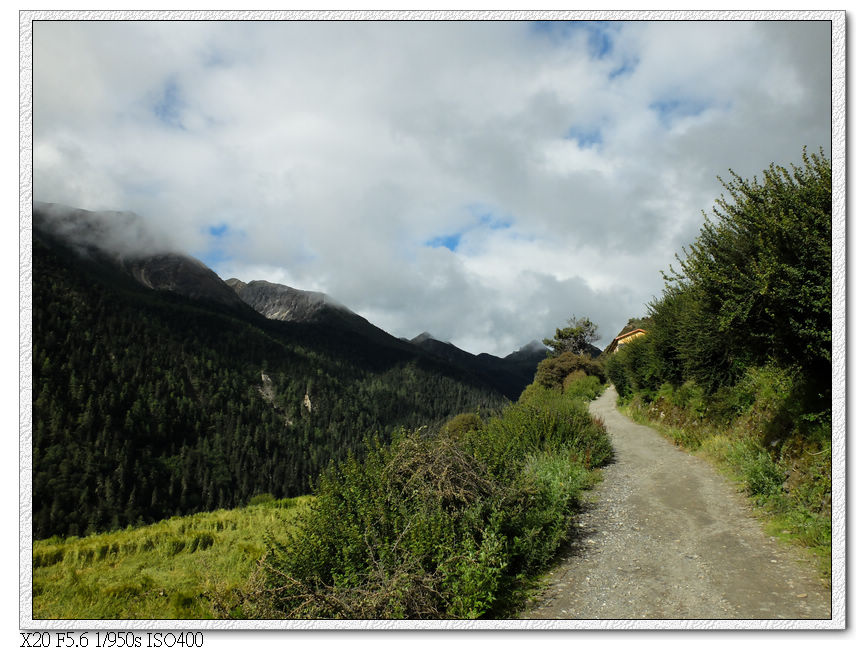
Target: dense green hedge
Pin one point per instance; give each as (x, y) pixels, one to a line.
(753, 291)
(553, 371)
(755, 287)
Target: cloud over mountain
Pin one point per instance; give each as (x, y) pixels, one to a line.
(484, 180)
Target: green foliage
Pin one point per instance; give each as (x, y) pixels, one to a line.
(553, 371)
(633, 369)
(736, 362)
(756, 285)
(184, 567)
(754, 289)
(574, 376)
(437, 526)
(585, 388)
(763, 477)
(148, 405)
(743, 330)
(576, 338)
(458, 426)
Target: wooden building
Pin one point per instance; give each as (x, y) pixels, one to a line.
(627, 337)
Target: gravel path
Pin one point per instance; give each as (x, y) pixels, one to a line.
(668, 538)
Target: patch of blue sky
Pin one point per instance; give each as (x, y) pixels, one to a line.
(585, 137)
(213, 257)
(483, 218)
(445, 241)
(599, 33)
(168, 106)
(215, 251)
(218, 230)
(487, 216)
(626, 68)
(670, 110)
(494, 222)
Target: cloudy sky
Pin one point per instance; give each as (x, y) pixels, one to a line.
(482, 181)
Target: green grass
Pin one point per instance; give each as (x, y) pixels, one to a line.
(192, 567)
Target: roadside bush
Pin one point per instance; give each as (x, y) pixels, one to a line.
(552, 371)
(691, 398)
(763, 476)
(584, 389)
(615, 369)
(633, 370)
(542, 419)
(437, 526)
(571, 378)
(728, 403)
(756, 285)
(405, 533)
(461, 424)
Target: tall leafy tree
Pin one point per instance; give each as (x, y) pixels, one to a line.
(756, 285)
(576, 337)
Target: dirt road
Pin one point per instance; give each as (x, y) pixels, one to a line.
(668, 538)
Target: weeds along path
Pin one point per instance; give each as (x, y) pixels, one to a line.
(667, 537)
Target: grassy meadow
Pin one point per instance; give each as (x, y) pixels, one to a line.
(191, 567)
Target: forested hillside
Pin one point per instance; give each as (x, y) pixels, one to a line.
(509, 375)
(148, 404)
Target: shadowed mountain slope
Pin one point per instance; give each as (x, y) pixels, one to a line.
(155, 393)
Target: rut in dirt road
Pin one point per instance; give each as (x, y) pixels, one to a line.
(667, 537)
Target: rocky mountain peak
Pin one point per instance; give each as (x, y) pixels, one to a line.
(281, 302)
(423, 336)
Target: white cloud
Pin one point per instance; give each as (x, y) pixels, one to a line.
(334, 152)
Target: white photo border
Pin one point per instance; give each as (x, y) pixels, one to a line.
(839, 320)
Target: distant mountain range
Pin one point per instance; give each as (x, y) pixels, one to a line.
(160, 389)
(509, 375)
(104, 236)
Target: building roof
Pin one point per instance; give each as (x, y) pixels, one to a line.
(627, 334)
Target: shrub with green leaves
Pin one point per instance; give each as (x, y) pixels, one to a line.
(402, 534)
(461, 424)
(584, 388)
(763, 476)
(552, 371)
(756, 285)
(437, 526)
(633, 369)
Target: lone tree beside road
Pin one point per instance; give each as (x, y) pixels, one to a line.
(575, 338)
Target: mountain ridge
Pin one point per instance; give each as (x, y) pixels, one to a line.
(508, 375)
(148, 403)
(101, 238)
(156, 264)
